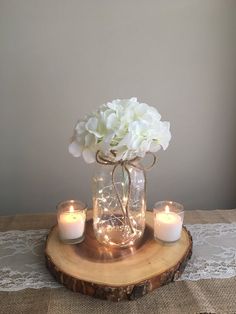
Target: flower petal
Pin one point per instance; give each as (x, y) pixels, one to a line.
(80, 127)
(89, 156)
(75, 149)
(112, 122)
(154, 146)
(165, 135)
(92, 125)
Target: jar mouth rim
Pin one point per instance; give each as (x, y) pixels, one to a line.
(174, 205)
(81, 205)
(111, 156)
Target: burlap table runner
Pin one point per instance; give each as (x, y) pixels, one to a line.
(203, 296)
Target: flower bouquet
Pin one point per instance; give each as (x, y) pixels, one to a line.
(117, 136)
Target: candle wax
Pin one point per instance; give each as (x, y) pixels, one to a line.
(168, 226)
(71, 225)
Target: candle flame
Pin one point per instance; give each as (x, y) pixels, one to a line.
(167, 209)
(71, 209)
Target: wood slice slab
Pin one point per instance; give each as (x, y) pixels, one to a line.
(117, 274)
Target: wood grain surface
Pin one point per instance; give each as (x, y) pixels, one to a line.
(117, 274)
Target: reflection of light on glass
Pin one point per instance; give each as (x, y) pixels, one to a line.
(125, 199)
(167, 209)
(131, 249)
(143, 203)
(71, 209)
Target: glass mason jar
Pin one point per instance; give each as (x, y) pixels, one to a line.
(119, 204)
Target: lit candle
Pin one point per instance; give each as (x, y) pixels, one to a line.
(71, 221)
(168, 223)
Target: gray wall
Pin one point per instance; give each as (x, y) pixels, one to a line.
(61, 59)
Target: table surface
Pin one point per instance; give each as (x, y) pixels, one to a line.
(202, 296)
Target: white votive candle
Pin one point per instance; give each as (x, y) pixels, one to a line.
(168, 221)
(71, 221)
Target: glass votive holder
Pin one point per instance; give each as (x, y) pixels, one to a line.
(168, 221)
(71, 217)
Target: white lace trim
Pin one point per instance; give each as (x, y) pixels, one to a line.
(214, 252)
(22, 263)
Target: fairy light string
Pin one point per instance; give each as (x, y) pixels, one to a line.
(125, 164)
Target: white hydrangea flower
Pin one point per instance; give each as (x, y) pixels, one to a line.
(124, 126)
